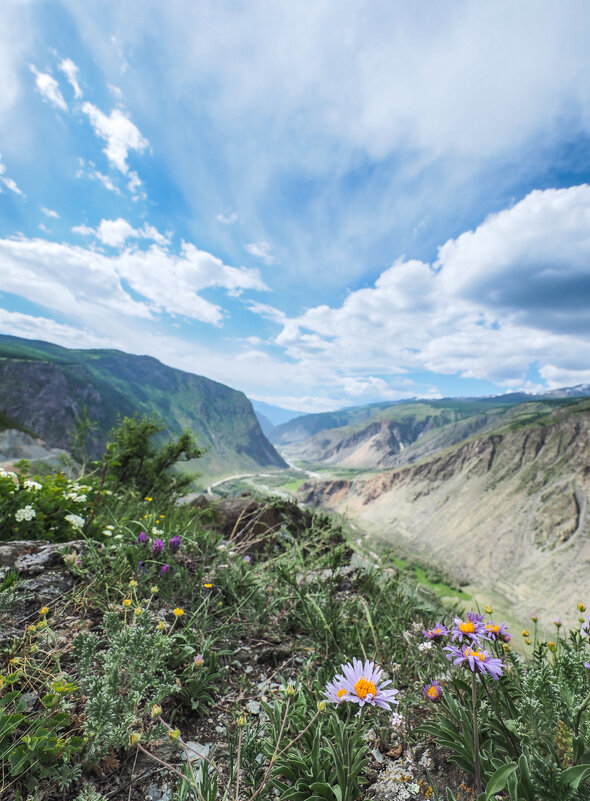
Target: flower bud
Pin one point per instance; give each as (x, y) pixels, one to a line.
(156, 710)
(134, 738)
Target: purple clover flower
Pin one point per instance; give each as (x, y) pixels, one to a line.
(158, 546)
(143, 538)
(436, 633)
(164, 570)
(174, 543)
(433, 691)
(470, 629)
(476, 660)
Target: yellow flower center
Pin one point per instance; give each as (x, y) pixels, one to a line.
(364, 687)
(495, 629)
(467, 627)
(341, 692)
(436, 631)
(475, 654)
(432, 692)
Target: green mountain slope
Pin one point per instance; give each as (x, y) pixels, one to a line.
(44, 387)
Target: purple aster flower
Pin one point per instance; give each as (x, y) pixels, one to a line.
(476, 660)
(436, 633)
(175, 543)
(247, 558)
(336, 691)
(498, 631)
(158, 546)
(143, 538)
(470, 629)
(164, 570)
(363, 685)
(432, 690)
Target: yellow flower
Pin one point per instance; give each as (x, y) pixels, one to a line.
(174, 734)
(321, 705)
(44, 610)
(528, 641)
(133, 583)
(551, 646)
(138, 611)
(525, 633)
(582, 607)
(134, 738)
(154, 588)
(148, 499)
(290, 690)
(161, 625)
(126, 601)
(488, 609)
(156, 710)
(242, 721)
(178, 612)
(31, 628)
(207, 586)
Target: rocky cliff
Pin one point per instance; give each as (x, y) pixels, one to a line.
(506, 511)
(44, 387)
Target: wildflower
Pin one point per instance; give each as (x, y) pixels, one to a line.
(31, 627)
(557, 622)
(242, 721)
(75, 520)
(498, 631)
(154, 589)
(44, 610)
(26, 513)
(290, 690)
(335, 690)
(133, 583)
(148, 499)
(525, 632)
(582, 607)
(199, 661)
(471, 629)
(488, 609)
(363, 685)
(138, 611)
(134, 738)
(587, 665)
(158, 546)
(34, 485)
(142, 538)
(437, 633)
(156, 531)
(321, 705)
(425, 646)
(247, 558)
(551, 645)
(107, 533)
(207, 586)
(174, 543)
(432, 690)
(178, 612)
(156, 710)
(126, 601)
(161, 625)
(164, 570)
(174, 734)
(397, 721)
(534, 617)
(476, 660)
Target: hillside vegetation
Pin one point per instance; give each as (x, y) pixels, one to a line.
(45, 387)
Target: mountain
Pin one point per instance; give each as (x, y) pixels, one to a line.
(379, 436)
(276, 415)
(44, 387)
(506, 510)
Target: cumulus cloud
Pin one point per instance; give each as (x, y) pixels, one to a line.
(29, 327)
(261, 250)
(49, 89)
(512, 293)
(119, 133)
(115, 233)
(84, 283)
(71, 71)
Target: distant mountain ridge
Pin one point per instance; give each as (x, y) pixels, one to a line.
(44, 387)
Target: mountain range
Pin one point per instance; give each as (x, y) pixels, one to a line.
(44, 387)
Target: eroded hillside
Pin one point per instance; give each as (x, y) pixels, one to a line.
(506, 510)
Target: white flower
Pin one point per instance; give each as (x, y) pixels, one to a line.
(107, 533)
(425, 646)
(77, 498)
(397, 721)
(75, 520)
(156, 531)
(33, 485)
(26, 513)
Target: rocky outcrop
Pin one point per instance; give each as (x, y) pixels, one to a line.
(16, 445)
(507, 511)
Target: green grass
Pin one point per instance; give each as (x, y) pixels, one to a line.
(425, 577)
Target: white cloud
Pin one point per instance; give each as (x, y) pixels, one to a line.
(261, 250)
(227, 217)
(44, 228)
(95, 175)
(115, 233)
(49, 212)
(8, 182)
(44, 328)
(120, 134)
(48, 88)
(84, 283)
(71, 71)
(135, 186)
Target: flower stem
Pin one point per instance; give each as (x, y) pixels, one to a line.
(478, 787)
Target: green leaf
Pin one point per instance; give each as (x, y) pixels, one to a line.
(450, 796)
(499, 779)
(322, 789)
(574, 775)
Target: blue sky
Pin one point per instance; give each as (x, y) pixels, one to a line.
(320, 204)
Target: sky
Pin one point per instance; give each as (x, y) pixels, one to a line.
(321, 204)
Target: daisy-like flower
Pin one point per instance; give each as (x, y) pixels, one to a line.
(335, 691)
(178, 612)
(476, 660)
(470, 629)
(437, 633)
(433, 691)
(363, 685)
(498, 631)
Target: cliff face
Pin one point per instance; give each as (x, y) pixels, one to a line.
(44, 387)
(506, 511)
